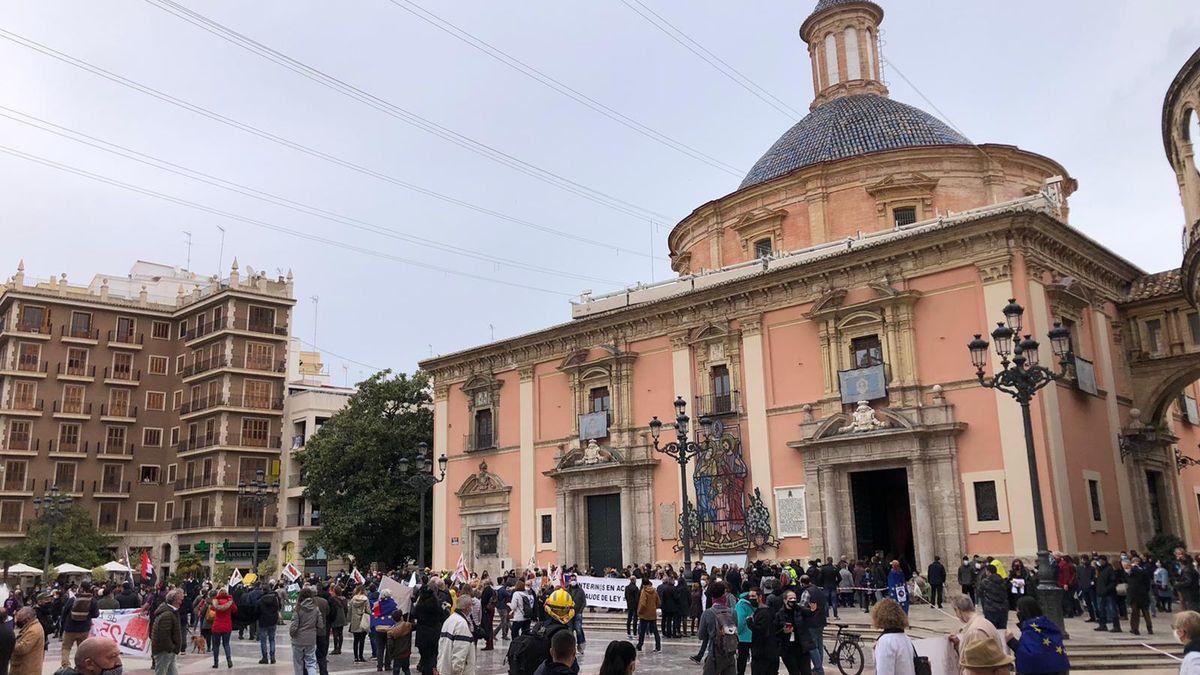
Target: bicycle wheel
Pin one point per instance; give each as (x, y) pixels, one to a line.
(849, 658)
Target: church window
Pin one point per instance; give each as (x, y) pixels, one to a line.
(870, 55)
(722, 395)
(599, 400)
(987, 508)
(1193, 321)
(1094, 500)
(547, 527)
(1154, 335)
(905, 215)
(762, 248)
(483, 429)
(853, 63)
(486, 542)
(866, 351)
(831, 58)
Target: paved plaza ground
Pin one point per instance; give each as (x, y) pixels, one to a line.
(1113, 653)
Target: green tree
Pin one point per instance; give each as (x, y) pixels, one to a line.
(74, 539)
(187, 565)
(350, 466)
(267, 568)
(1162, 546)
(221, 573)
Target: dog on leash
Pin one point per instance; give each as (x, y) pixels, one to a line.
(199, 644)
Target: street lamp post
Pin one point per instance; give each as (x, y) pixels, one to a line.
(1021, 377)
(682, 451)
(422, 480)
(50, 508)
(259, 493)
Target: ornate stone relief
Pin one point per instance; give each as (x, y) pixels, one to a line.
(589, 455)
(760, 223)
(863, 419)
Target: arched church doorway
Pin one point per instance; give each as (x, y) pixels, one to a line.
(882, 516)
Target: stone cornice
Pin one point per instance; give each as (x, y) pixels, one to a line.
(1059, 248)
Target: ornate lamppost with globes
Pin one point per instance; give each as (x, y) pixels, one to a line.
(51, 509)
(682, 451)
(259, 493)
(1021, 377)
(422, 480)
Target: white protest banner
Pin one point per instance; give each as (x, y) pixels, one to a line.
(943, 660)
(401, 593)
(129, 628)
(606, 592)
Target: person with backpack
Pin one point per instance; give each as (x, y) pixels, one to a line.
(719, 629)
(530, 653)
(744, 609)
(521, 607)
(76, 620)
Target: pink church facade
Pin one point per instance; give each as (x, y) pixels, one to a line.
(854, 263)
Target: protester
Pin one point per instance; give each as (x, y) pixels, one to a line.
(521, 607)
(1186, 626)
(456, 648)
(1038, 646)
(166, 634)
(985, 657)
(1137, 594)
(1018, 580)
(647, 612)
(307, 623)
(632, 595)
(360, 622)
(381, 621)
(897, 588)
(620, 658)
(745, 607)
(339, 616)
(268, 622)
(975, 627)
(766, 629)
(399, 643)
(95, 656)
(429, 613)
(580, 600)
(29, 650)
(1187, 583)
(221, 609)
(796, 640)
(894, 650)
(489, 599)
(1163, 593)
(966, 577)
(76, 621)
(992, 593)
(937, 582)
(562, 656)
(1106, 596)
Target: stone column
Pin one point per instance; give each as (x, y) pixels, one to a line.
(1104, 363)
(828, 479)
(441, 430)
(919, 483)
(755, 376)
(525, 487)
(816, 502)
(627, 529)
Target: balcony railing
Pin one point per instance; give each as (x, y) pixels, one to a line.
(206, 441)
(193, 482)
(22, 485)
(43, 328)
(78, 447)
(205, 365)
(75, 371)
(265, 365)
(118, 410)
(112, 525)
(131, 375)
(299, 520)
(192, 522)
(22, 444)
(210, 327)
(30, 364)
(25, 404)
(10, 525)
(198, 404)
(716, 405)
(111, 487)
(255, 402)
(72, 407)
(116, 449)
(475, 442)
(125, 337)
(250, 441)
(81, 333)
(247, 520)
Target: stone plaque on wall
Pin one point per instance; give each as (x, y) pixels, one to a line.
(792, 512)
(668, 525)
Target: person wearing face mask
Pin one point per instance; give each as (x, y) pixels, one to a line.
(96, 656)
(746, 604)
(1188, 584)
(29, 650)
(1186, 626)
(580, 599)
(166, 634)
(797, 641)
(966, 578)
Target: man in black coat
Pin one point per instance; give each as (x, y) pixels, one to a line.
(813, 604)
(937, 582)
(488, 601)
(829, 582)
(683, 600)
(632, 592)
(766, 629)
(1137, 594)
(1106, 596)
(669, 605)
(128, 598)
(993, 597)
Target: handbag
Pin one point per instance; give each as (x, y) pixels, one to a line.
(364, 623)
(1122, 589)
(921, 665)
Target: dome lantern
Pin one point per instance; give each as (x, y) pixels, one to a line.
(843, 45)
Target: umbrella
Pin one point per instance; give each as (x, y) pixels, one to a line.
(116, 567)
(22, 569)
(68, 568)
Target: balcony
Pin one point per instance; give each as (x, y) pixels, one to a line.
(299, 520)
(120, 412)
(78, 335)
(255, 365)
(9, 525)
(116, 450)
(254, 402)
(130, 377)
(198, 404)
(204, 330)
(23, 407)
(111, 487)
(26, 367)
(297, 480)
(204, 366)
(18, 485)
(192, 522)
(125, 339)
(265, 442)
(75, 373)
(248, 520)
(71, 410)
(477, 442)
(196, 482)
(57, 447)
(21, 446)
(29, 329)
(265, 365)
(197, 443)
(719, 405)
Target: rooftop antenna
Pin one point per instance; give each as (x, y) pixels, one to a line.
(345, 375)
(316, 299)
(493, 330)
(221, 255)
(652, 232)
(188, 235)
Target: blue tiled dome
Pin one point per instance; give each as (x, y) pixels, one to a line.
(847, 127)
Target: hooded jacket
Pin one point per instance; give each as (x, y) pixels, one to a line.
(744, 610)
(647, 609)
(306, 624)
(224, 607)
(166, 633)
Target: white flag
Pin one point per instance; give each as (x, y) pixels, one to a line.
(357, 576)
(290, 572)
(532, 562)
(412, 583)
(461, 573)
(235, 579)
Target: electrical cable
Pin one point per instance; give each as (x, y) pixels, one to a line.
(294, 145)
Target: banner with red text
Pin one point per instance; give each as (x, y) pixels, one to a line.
(129, 628)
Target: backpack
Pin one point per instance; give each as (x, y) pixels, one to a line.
(725, 637)
(81, 608)
(527, 605)
(528, 651)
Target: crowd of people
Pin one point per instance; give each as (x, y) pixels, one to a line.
(756, 617)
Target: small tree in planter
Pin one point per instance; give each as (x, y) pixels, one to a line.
(1162, 546)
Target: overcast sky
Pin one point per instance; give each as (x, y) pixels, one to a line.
(1079, 81)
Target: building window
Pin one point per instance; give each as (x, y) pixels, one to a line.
(81, 324)
(125, 328)
(73, 398)
(180, 363)
(183, 328)
(34, 319)
(483, 429)
(261, 319)
(866, 351)
(148, 473)
(177, 399)
(156, 400)
(110, 513)
(599, 401)
(987, 508)
(114, 440)
(259, 356)
(18, 435)
(1094, 500)
(1154, 335)
(10, 516)
(77, 361)
(122, 366)
(147, 512)
(172, 471)
(485, 542)
(174, 436)
(169, 512)
(14, 475)
(64, 476)
(118, 402)
(904, 215)
(722, 391)
(254, 432)
(151, 437)
(831, 60)
(547, 528)
(256, 394)
(68, 438)
(23, 395)
(1193, 321)
(160, 330)
(157, 365)
(29, 356)
(762, 248)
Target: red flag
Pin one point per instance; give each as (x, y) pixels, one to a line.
(147, 567)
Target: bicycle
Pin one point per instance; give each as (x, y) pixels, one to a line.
(847, 652)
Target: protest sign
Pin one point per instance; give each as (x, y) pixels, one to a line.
(129, 628)
(605, 592)
(401, 593)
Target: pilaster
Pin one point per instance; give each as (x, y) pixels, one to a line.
(441, 431)
(528, 476)
(681, 375)
(755, 375)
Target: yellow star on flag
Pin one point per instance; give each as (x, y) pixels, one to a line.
(1036, 628)
(1059, 650)
(1046, 642)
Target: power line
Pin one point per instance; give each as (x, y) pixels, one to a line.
(402, 114)
(264, 224)
(171, 167)
(683, 39)
(560, 87)
(294, 145)
(336, 355)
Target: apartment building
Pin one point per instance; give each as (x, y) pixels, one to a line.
(147, 397)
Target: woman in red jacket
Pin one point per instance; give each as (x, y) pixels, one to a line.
(222, 608)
